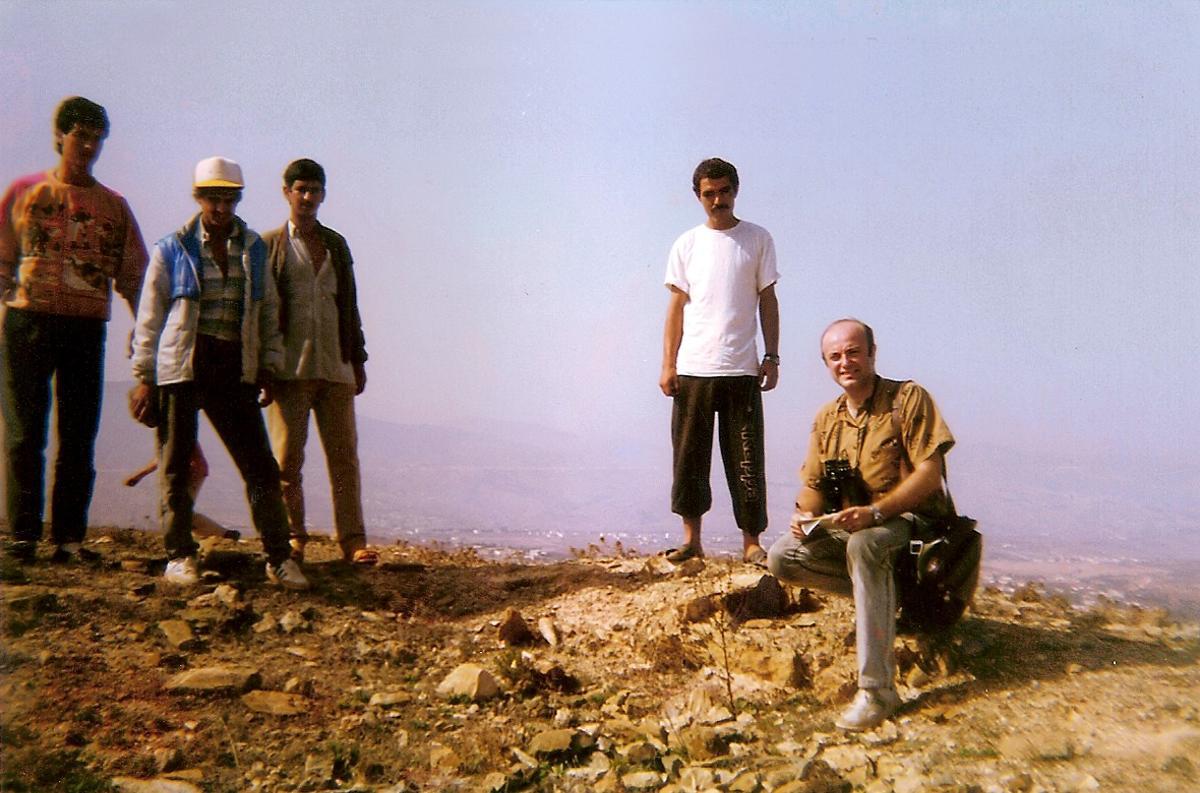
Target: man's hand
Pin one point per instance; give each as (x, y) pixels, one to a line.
(855, 519)
(669, 381)
(141, 400)
(360, 378)
(266, 388)
(768, 375)
(799, 518)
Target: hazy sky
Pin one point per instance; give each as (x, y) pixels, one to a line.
(1008, 192)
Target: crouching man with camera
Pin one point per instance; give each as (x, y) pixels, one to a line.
(874, 468)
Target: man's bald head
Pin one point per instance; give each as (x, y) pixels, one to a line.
(868, 334)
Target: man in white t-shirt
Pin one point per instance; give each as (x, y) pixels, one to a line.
(720, 275)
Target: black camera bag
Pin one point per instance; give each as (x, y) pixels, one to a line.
(937, 576)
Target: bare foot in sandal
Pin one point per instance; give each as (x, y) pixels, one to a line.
(755, 555)
(364, 557)
(683, 553)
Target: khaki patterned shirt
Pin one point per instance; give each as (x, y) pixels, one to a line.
(870, 441)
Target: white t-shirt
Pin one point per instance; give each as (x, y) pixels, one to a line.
(722, 273)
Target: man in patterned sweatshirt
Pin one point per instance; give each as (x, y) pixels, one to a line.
(66, 242)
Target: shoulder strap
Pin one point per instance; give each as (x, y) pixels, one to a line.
(906, 466)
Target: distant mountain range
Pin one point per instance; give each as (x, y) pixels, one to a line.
(527, 488)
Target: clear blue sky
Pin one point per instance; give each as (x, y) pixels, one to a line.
(1008, 192)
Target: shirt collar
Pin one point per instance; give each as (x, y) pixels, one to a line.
(866, 409)
(294, 231)
(234, 234)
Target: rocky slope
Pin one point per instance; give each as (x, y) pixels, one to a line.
(438, 671)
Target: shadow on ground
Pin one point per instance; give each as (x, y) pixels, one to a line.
(445, 591)
(1001, 655)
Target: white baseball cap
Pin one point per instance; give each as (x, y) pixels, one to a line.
(218, 172)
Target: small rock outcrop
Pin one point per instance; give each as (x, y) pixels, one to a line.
(214, 680)
(470, 681)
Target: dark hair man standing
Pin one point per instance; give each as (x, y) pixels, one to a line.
(324, 360)
(720, 275)
(66, 242)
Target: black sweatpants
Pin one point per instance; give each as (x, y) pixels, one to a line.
(737, 403)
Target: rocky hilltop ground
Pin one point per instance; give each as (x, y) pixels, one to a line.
(438, 671)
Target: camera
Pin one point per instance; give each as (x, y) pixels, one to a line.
(843, 486)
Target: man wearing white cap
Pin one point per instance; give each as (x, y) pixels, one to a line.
(208, 337)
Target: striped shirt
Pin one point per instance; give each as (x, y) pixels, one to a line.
(222, 294)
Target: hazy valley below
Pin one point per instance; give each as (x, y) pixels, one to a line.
(507, 488)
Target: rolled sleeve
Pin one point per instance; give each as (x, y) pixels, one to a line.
(677, 269)
(924, 431)
(768, 271)
(810, 471)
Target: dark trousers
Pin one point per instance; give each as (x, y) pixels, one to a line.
(737, 403)
(232, 407)
(36, 349)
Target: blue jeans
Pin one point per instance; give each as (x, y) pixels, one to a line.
(38, 348)
(865, 561)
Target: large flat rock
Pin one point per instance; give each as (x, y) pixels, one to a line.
(214, 680)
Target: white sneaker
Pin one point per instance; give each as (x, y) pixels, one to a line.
(870, 708)
(287, 575)
(182, 571)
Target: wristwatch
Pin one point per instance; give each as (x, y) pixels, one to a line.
(876, 515)
(771, 357)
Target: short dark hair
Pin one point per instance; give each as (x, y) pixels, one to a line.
(304, 168)
(714, 168)
(77, 110)
(870, 334)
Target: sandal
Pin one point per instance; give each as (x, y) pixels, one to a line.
(755, 556)
(364, 557)
(681, 555)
